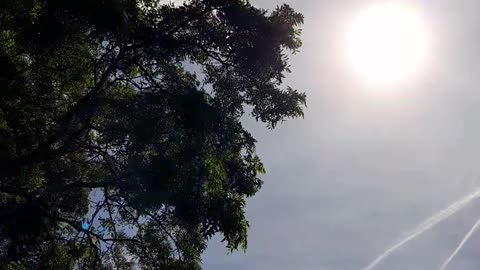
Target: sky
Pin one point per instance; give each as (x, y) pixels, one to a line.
(367, 165)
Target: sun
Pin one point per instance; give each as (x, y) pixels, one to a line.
(387, 43)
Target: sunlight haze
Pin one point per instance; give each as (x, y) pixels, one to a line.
(365, 167)
(386, 43)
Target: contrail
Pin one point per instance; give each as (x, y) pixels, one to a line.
(425, 226)
(460, 246)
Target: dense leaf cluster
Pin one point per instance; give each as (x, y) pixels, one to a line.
(114, 152)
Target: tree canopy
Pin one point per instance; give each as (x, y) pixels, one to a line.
(121, 141)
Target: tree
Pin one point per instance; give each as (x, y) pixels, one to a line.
(114, 151)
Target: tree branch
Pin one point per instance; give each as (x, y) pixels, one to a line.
(43, 151)
(160, 223)
(92, 184)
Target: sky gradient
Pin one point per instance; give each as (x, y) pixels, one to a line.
(366, 165)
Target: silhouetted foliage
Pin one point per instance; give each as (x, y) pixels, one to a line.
(101, 122)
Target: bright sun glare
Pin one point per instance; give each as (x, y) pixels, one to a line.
(386, 43)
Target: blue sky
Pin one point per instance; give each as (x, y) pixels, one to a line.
(361, 169)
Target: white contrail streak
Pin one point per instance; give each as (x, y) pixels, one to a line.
(425, 226)
(460, 246)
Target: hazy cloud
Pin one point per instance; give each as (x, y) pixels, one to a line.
(360, 170)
